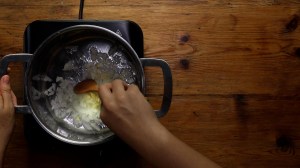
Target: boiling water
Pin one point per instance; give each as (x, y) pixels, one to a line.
(98, 60)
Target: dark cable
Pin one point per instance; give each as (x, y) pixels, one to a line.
(81, 9)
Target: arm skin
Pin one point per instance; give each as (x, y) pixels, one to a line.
(127, 113)
(7, 114)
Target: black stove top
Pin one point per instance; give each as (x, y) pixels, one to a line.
(37, 31)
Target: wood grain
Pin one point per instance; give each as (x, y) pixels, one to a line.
(235, 67)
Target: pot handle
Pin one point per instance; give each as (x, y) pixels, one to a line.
(168, 84)
(21, 57)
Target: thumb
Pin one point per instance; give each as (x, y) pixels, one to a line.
(6, 91)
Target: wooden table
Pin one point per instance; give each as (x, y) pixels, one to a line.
(236, 74)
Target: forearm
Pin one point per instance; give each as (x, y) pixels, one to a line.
(2, 150)
(5, 136)
(179, 154)
(159, 147)
(127, 113)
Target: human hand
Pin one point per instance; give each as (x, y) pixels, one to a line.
(125, 110)
(7, 113)
(127, 113)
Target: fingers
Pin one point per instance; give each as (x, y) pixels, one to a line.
(6, 92)
(1, 102)
(116, 90)
(119, 87)
(132, 87)
(14, 98)
(105, 92)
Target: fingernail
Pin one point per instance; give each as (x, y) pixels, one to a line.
(5, 79)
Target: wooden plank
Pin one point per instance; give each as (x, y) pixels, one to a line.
(235, 131)
(153, 2)
(238, 131)
(235, 69)
(243, 53)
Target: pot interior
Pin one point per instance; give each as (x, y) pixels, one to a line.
(66, 58)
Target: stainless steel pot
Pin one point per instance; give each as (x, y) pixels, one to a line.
(47, 62)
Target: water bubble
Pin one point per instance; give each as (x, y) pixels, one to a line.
(70, 50)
